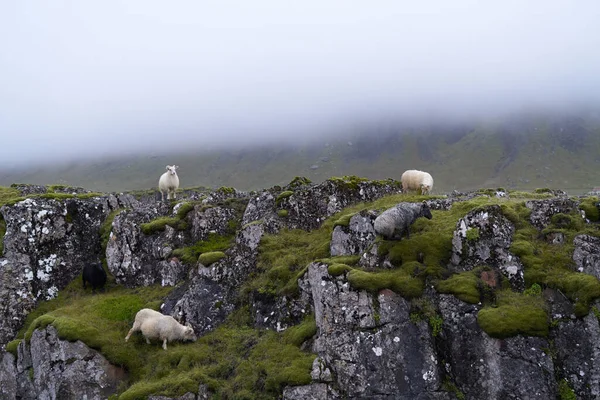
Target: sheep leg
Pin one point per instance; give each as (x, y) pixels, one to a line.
(165, 343)
(147, 341)
(134, 328)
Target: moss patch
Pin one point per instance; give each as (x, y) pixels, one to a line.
(400, 281)
(282, 213)
(282, 196)
(213, 243)
(210, 257)
(515, 314)
(590, 206)
(463, 285)
(159, 224)
(12, 346)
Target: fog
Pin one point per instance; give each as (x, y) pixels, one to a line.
(88, 79)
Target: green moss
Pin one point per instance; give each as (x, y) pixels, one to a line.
(542, 190)
(344, 220)
(283, 195)
(226, 190)
(184, 209)
(522, 248)
(435, 323)
(463, 285)
(565, 392)
(8, 195)
(399, 281)
(214, 242)
(299, 181)
(515, 314)
(338, 269)
(159, 224)
(348, 260)
(211, 257)
(282, 213)
(534, 290)
(12, 346)
(590, 206)
(472, 234)
(298, 334)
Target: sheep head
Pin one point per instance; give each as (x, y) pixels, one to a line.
(188, 333)
(172, 169)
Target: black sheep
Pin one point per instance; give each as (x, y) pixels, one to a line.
(95, 275)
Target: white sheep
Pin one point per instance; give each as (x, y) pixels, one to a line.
(413, 179)
(155, 325)
(168, 182)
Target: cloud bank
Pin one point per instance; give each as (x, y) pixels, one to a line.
(82, 80)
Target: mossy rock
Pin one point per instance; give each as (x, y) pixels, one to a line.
(211, 257)
(283, 195)
(463, 285)
(299, 181)
(515, 314)
(12, 346)
(158, 225)
(590, 206)
(338, 269)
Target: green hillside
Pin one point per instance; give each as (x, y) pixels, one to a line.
(519, 152)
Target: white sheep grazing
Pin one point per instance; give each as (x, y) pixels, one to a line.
(155, 325)
(168, 182)
(413, 179)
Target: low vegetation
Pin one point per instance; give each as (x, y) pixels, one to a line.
(239, 361)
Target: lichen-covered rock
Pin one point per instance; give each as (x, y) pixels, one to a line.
(483, 237)
(46, 245)
(543, 210)
(355, 238)
(392, 358)
(485, 368)
(587, 254)
(137, 259)
(51, 368)
(314, 391)
(577, 343)
(310, 205)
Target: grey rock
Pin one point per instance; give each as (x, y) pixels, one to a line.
(486, 368)
(587, 254)
(361, 352)
(577, 344)
(50, 368)
(187, 396)
(46, 245)
(487, 245)
(356, 237)
(315, 391)
(543, 210)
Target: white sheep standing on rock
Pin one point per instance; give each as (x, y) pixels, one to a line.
(396, 221)
(168, 182)
(413, 179)
(155, 325)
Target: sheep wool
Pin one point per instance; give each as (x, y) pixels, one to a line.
(168, 182)
(396, 221)
(413, 179)
(94, 274)
(155, 325)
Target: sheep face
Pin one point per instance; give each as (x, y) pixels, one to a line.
(172, 169)
(426, 211)
(188, 334)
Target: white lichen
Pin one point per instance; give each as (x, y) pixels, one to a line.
(378, 351)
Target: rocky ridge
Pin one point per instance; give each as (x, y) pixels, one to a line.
(368, 345)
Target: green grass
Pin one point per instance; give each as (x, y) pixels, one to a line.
(234, 360)
(210, 257)
(515, 314)
(213, 243)
(463, 285)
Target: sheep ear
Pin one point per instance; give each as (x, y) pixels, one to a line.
(167, 167)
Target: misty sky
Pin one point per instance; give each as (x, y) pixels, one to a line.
(89, 78)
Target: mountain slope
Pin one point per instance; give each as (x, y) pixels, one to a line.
(523, 151)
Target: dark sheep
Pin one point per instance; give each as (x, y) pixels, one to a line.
(395, 221)
(95, 275)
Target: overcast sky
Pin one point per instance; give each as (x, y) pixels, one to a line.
(85, 78)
